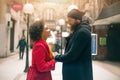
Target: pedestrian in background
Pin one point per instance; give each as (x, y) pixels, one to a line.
(77, 63)
(21, 45)
(42, 62)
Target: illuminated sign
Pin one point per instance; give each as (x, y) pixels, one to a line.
(17, 7)
(94, 44)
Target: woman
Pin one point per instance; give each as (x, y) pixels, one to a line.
(42, 63)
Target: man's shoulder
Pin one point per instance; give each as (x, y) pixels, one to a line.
(84, 30)
(85, 27)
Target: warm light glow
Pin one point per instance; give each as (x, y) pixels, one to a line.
(65, 34)
(28, 8)
(37, 19)
(61, 22)
(57, 28)
(87, 6)
(57, 1)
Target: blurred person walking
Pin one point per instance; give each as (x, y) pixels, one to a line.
(21, 45)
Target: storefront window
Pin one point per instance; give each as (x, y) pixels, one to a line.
(102, 41)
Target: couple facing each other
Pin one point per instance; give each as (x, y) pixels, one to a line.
(77, 63)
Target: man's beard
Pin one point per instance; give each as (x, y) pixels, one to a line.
(75, 26)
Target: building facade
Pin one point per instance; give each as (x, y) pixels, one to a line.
(10, 28)
(106, 26)
(13, 22)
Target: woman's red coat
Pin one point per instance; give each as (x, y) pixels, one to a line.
(41, 63)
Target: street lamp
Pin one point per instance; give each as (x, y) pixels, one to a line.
(28, 9)
(61, 23)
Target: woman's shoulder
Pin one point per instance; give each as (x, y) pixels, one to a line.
(40, 44)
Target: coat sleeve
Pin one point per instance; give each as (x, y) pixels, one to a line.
(41, 63)
(76, 49)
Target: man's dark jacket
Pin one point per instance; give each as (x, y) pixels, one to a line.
(77, 63)
(22, 44)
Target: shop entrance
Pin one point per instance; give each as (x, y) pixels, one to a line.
(113, 42)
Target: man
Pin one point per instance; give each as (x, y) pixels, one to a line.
(77, 63)
(22, 44)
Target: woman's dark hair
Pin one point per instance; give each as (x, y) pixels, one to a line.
(36, 30)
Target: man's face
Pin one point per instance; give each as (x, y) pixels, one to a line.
(71, 21)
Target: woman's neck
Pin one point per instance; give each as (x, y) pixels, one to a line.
(44, 38)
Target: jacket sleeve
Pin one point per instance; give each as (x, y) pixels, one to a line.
(18, 44)
(41, 64)
(76, 49)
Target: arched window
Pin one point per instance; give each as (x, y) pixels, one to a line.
(49, 14)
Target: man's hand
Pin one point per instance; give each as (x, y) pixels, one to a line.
(55, 54)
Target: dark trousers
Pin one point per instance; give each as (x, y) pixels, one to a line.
(21, 54)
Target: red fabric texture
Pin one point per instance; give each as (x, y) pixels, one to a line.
(42, 64)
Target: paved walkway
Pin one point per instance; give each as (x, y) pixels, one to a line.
(12, 68)
(105, 71)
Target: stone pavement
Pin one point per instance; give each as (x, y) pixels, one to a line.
(105, 71)
(12, 68)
